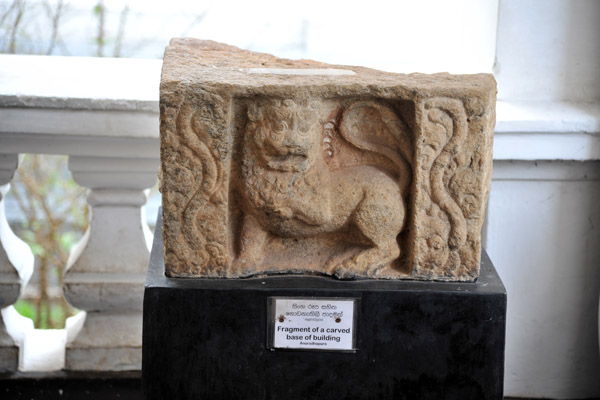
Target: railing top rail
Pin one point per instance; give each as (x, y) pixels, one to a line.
(81, 83)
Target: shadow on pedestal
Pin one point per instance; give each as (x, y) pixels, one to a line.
(207, 338)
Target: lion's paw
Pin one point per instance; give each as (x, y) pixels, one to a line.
(365, 264)
(284, 212)
(348, 269)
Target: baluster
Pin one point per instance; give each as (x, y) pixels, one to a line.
(106, 270)
(16, 267)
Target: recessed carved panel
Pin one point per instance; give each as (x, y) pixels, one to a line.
(322, 186)
(348, 176)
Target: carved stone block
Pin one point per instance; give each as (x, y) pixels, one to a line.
(273, 166)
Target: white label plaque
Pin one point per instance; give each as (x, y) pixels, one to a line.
(313, 323)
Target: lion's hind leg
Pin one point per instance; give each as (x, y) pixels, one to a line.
(252, 240)
(379, 218)
(369, 261)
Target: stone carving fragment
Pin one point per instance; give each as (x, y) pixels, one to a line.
(304, 170)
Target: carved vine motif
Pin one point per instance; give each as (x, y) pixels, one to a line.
(291, 192)
(445, 130)
(198, 167)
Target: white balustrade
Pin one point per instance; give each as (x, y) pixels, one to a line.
(104, 116)
(106, 272)
(16, 266)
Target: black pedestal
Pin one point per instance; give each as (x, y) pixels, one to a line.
(207, 339)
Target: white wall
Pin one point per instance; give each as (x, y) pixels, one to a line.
(543, 222)
(543, 236)
(549, 50)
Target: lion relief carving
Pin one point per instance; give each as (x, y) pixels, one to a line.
(291, 191)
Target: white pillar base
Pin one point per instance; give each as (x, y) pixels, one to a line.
(107, 342)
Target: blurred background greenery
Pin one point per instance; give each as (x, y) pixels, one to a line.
(51, 217)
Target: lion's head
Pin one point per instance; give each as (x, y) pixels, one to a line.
(285, 135)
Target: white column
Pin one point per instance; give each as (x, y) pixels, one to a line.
(16, 266)
(107, 268)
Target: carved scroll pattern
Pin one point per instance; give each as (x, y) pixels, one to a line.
(445, 226)
(199, 173)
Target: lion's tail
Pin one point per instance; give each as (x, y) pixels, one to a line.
(375, 127)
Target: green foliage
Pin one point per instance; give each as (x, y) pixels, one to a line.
(52, 317)
(68, 239)
(26, 308)
(98, 9)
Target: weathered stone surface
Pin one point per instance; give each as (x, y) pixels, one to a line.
(277, 166)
